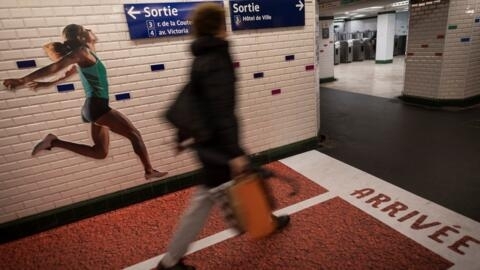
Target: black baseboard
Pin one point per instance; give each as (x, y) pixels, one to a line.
(441, 103)
(384, 61)
(30, 225)
(328, 79)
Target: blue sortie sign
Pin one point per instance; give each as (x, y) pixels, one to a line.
(255, 14)
(159, 19)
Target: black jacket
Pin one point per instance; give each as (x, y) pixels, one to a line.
(212, 78)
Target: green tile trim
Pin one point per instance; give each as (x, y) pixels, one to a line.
(441, 103)
(384, 61)
(284, 151)
(328, 79)
(30, 225)
(452, 26)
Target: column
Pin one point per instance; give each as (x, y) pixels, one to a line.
(326, 47)
(443, 53)
(460, 77)
(385, 37)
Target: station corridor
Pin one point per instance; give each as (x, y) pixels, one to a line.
(367, 201)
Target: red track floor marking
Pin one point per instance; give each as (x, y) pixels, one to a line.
(280, 190)
(348, 232)
(330, 235)
(126, 236)
(446, 233)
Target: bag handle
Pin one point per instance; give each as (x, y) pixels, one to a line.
(267, 174)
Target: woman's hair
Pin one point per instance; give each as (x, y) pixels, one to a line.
(75, 38)
(56, 50)
(208, 19)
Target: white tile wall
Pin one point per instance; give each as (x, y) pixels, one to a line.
(326, 50)
(58, 178)
(423, 68)
(385, 37)
(460, 69)
(453, 72)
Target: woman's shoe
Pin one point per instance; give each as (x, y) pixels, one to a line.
(179, 266)
(155, 174)
(282, 222)
(45, 144)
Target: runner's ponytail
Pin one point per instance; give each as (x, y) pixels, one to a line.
(56, 50)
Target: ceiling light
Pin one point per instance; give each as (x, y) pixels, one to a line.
(399, 4)
(368, 9)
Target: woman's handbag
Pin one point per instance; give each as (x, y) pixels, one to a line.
(252, 206)
(187, 115)
(252, 203)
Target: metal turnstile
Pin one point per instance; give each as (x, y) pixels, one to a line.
(358, 50)
(336, 53)
(369, 52)
(346, 53)
(400, 45)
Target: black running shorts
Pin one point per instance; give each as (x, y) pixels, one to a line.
(93, 108)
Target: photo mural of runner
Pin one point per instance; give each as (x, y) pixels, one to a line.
(78, 49)
(144, 76)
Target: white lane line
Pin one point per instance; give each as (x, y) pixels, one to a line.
(446, 233)
(229, 233)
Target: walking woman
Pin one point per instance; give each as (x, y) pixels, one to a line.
(212, 82)
(77, 53)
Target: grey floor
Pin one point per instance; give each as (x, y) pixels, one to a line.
(366, 77)
(432, 153)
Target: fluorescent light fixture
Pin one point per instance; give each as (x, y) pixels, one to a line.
(399, 4)
(359, 15)
(368, 9)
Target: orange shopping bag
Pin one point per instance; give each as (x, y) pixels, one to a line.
(252, 202)
(252, 205)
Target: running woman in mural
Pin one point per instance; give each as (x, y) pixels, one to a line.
(77, 53)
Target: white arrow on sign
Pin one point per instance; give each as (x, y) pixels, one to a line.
(300, 5)
(132, 12)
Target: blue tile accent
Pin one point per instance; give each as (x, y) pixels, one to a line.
(465, 39)
(157, 67)
(26, 64)
(65, 87)
(122, 96)
(289, 57)
(477, 20)
(258, 75)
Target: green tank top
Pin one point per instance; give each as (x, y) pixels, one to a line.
(94, 80)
